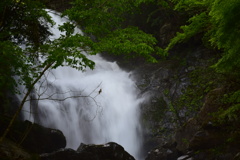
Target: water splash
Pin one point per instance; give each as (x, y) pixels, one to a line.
(94, 106)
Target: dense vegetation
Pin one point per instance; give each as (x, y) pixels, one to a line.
(217, 24)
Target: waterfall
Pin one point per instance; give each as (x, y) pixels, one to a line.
(90, 106)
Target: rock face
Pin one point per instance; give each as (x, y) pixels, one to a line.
(164, 83)
(34, 138)
(109, 151)
(204, 137)
(43, 140)
(165, 152)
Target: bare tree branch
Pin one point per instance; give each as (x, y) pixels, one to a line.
(23, 101)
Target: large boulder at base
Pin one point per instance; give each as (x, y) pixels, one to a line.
(43, 140)
(33, 137)
(109, 151)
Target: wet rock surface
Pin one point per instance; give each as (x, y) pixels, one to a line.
(107, 151)
(200, 138)
(163, 83)
(165, 152)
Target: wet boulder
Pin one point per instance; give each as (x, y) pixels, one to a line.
(41, 139)
(110, 150)
(107, 151)
(33, 137)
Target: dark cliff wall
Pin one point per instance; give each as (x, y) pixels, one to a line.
(58, 5)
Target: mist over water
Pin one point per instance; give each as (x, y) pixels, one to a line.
(94, 106)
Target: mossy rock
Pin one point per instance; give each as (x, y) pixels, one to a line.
(11, 151)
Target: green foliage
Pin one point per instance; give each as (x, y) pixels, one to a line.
(192, 6)
(196, 25)
(112, 34)
(231, 113)
(68, 28)
(65, 51)
(14, 62)
(26, 23)
(235, 97)
(225, 34)
(128, 41)
(100, 17)
(219, 21)
(23, 21)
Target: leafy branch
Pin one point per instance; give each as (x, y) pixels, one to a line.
(23, 101)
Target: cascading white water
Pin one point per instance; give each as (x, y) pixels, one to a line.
(100, 105)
